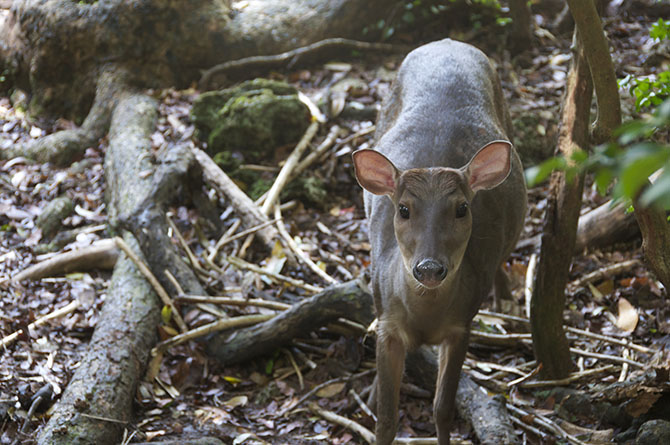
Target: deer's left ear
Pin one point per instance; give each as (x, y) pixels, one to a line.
(490, 166)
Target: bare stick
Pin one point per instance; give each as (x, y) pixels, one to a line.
(244, 206)
(184, 245)
(241, 264)
(220, 325)
(244, 233)
(70, 307)
(362, 405)
(566, 381)
(330, 416)
(577, 331)
(601, 273)
(290, 164)
(545, 422)
(310, 158)
(302, 256)
(259, 302)
(606, 357)
(101, 254)
(144, 270)
(530, 280)
(278, 60)
(224, 238)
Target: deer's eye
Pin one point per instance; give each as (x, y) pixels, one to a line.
(403, 211)
(462, 210)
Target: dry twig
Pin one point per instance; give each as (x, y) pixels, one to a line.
(70, 307)
(144, 270)
(241, 264)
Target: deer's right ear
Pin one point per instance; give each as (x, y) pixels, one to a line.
(374, 172)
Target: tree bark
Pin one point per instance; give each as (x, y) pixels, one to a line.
(343, 300)
(655, 240)
(594, 41)
(104, 385)
(56, 50)
(521, 36)
(560, 224)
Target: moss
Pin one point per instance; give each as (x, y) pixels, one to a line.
(252, 118)
(308, 190)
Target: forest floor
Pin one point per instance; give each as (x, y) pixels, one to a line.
(256, 402)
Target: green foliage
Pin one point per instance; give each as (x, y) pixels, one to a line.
(660, 30)
(650, 91)
(625, 164)
(647, 91)
(416, 12)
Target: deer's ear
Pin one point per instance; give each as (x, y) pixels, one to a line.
(490, 166)
(374, 172)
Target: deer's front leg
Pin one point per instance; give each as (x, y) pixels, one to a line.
(390, 363)
(451, 356)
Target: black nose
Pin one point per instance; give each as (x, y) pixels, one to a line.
(429, 270)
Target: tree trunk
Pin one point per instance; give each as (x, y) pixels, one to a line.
(104, 386)
(560, 225)
(521, 36)
(598, 56)
(57, 49)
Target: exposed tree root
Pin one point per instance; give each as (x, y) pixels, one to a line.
(100, 255)
(97, 402)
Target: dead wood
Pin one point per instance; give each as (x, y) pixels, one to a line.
(215, 77)
(97, 403)
(100, 255)
(244, 206)
(604, 226)
(601, 227)
(104, 385)
(345, 300)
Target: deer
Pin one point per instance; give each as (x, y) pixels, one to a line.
(445, 199)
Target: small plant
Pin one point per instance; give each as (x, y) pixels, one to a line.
(625, 164)
(650, 91)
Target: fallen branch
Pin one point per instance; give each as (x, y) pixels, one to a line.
(297, 251)
(146, 272)
(241, 264)
(342, 300)
(244, 206)
(289, 165)
(100, 255)
(219, 325)
(70, 307)
(278, 60)
(330, 416)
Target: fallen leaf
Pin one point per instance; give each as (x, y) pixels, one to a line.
(331, 390)
(236, 401)
(628, 316)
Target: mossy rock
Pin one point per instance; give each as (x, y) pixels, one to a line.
(254, 118)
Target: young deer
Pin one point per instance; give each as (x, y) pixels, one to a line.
(446, 200)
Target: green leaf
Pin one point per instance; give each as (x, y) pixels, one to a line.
(538, 173)
(658, 193)
(603, 178)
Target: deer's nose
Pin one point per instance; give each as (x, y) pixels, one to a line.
(430, 272)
